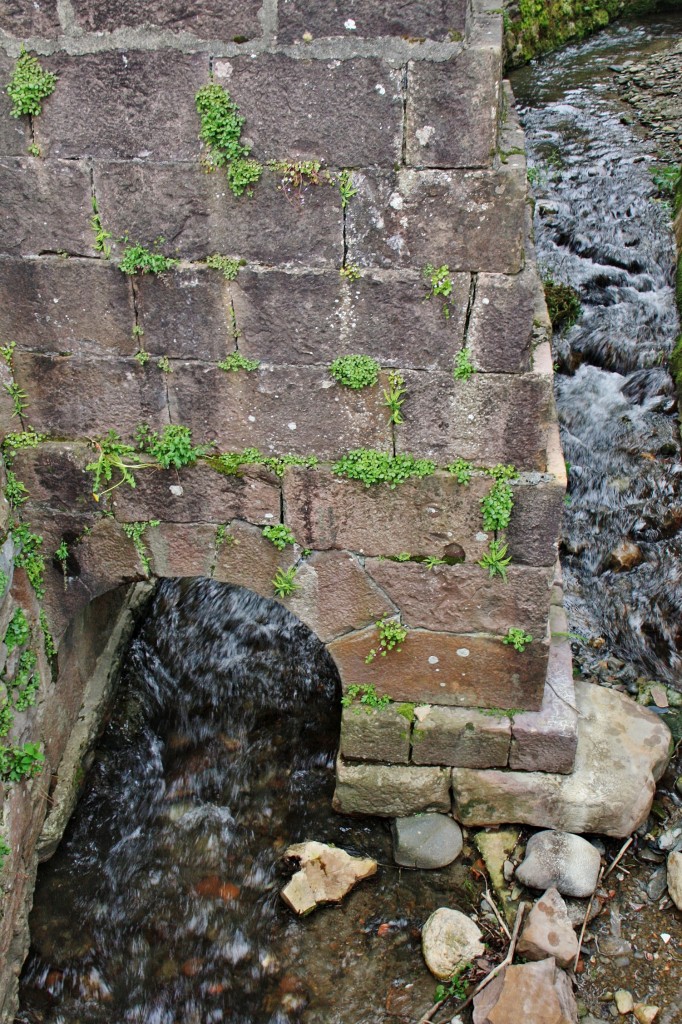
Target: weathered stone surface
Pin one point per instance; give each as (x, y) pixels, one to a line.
(137, 104)
(624, 1001)
(326, 875)
(489, 418)
(548, 931)
(39, 18)
(675, 878)
(74, 306)
(313, 318)
(185, 314)
(198, 214)
(461, 92)
(443, 668)
(462, 737)
(86, 397)
(496, 849)
(247, 559)
(375, 735)
(463, 598)
(433, 516)
(198, 494)
(449, 940)
(535, 524)
(227, 20)
(336, 596)
(274, 410)
(546, 740)
(294, 110)
(623, 750)
(47, 206)
(390, 791)
(55, 478)
(8, 421)
(14, 138)
(433, 19)
(470, 220)
(501, 325)
(426, 841)
(645, 1014)
(536, 993)
(177, 550)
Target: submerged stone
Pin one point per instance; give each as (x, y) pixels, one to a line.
(326, 875)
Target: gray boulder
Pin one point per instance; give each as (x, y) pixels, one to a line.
(426, 841)
(562, 861)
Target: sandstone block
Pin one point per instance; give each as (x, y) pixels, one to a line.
(622, 751)
(501, 325)
(535, 524)
(390, 791)
(185, 314)
(548, 931)
(55, 477)
(675, 878)
(375, 735)
(449, 941)
(432, 516)
(294, 109)
(431, 19)
(313, 318)
(22, 20)
(227, 20)
(47, 206)
(201, 216)
(469, 220)
(273, 410)
(460, 736)
(463, 598)
(79, 307)
(177, 549)
(247, 559)
(14, 138)
(87, 397)
(487, 419)
(561, 860)
(444, 668)
(133, 105)
(463, 91)
(537, 993)
(426, 841)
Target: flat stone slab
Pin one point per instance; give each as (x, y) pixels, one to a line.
(501, 324)
(535, 993)
(326, 874)
(430, 19)
(47, 206)
(426, 841)
(623, 750)
(185, 314)
(390, 791)
(22, 20)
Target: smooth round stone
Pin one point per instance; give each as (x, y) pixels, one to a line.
(562, 861)
(426, 841)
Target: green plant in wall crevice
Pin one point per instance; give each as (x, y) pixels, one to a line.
(135, 532)
(374, 467)
(172, 448)
(463, 368)
(284, 582)
(279, 535)
(391, 636)
(495, 559)
(228, 266)
(517, 638)
(29, 86)
(221, 131)
(355, 371)
(138, 259)
(394, 397)
(440, 285)
(366, 698)
(235, 361)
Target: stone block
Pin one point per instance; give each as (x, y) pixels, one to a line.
(66, 306)
(469, 220)
(390, 791)
(546, 740)
(77, 397)
(198, 215)
(371, 735)
(487, 419)
(336, 595)
(228, 20)
(445, 668)
(47, 206)
(313, 318)
(118, 105)
(185, 314)
(176, 550)
(501, 325)
(623, 750)
(535, 525)
(432, 516)
(420, 19)
(55, 478)
(199, 494)
(22, 20)
(273, 410)
(14, 131)
(463, 737)
(452, 109)
(463, 598)
(346, 113)
(8, 420)
(247, 559)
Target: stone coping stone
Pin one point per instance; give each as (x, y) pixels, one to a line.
(461, 736)
(390, 791)
(623, 750)
(227, 20)
(369, 734)
(419, 19)
(47, 206)
(345, 113)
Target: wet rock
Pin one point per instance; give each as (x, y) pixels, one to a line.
(657, 884)
(450, 939)
(675, 878)
(548, 931)
(326, 874)
(537, 993)
(625, 556)
(624, 1001)
(560, 860)
(426, 841)
(645, 1014)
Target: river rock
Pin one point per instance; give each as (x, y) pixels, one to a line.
(548, 931)
(426, 841)
(449, 940)
(624, 1001)
(645, 1014)
(625, 556)
(536, 993)
(675, 878)
(326, 874)
(562, 861)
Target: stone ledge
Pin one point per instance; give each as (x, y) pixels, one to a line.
(390, 791)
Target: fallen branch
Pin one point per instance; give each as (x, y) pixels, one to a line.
(488, 897)
(619, 856)
(587, 914)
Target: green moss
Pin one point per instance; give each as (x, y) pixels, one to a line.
(407, 711)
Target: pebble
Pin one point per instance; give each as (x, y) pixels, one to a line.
(657, 883)
(645, 1014)
(624, 1001)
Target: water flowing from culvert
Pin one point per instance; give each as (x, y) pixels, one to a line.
(600, 229)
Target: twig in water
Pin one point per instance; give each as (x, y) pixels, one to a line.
(587, 914)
